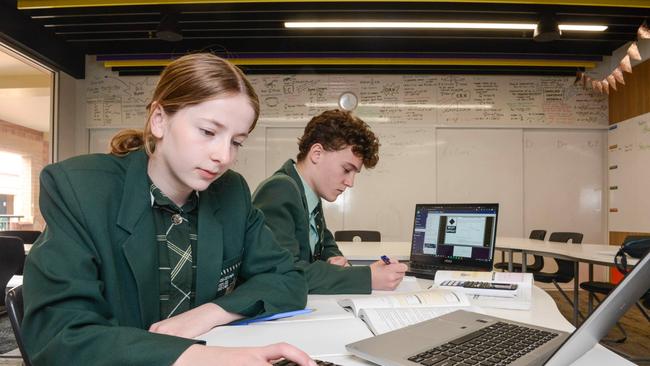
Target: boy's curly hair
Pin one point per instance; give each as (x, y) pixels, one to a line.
(336, 130)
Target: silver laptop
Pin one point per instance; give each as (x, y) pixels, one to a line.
(453, 236)
(449, 339)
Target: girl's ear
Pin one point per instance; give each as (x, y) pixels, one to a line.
(157, 120)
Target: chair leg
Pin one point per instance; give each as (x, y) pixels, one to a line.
(582, 317)
(642, 310)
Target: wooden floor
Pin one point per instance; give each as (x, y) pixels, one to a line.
(635, 324)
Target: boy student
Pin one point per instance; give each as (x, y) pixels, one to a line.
(334, 147)
(157, 242)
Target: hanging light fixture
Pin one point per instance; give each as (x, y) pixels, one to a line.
(169, 30)
(547, 29)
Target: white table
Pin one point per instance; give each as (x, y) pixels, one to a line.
(362, 252)
(305, 333)
(600, 254)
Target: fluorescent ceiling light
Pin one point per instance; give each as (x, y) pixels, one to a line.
(583, 28)
(438, 25)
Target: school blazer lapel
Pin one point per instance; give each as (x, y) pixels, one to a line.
(135, 217)
(209, 256)
(290, 170)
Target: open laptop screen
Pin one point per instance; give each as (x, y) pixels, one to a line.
(462, 234)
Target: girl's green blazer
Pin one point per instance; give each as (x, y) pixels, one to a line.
(91, 280)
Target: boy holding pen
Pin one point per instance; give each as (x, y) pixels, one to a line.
(334, 147)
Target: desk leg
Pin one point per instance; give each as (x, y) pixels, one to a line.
(523, 261)
(591, 295)
(576, 281)
(510, 261)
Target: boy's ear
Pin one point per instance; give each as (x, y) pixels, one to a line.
(315, 153)
(157, 120)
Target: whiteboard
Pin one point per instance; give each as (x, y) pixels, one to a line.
(629, 175)
(485, 100)
(483, 166)
(563, 182)
(384, 198)
(99, 140)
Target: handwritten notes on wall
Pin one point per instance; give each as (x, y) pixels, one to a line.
(629, 176)
(383, 99)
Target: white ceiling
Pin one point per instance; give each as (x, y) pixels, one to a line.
(25, 92)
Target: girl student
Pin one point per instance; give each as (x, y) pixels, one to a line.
(157, 242)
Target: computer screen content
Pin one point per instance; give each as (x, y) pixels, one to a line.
(455, 231)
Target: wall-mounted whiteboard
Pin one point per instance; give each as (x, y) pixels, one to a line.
(483, 166)
(564, 182)
(629, 175)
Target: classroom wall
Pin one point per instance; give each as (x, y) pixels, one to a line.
(629, 101)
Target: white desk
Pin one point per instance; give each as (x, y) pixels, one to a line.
(305, 333)
(600, 254)
(589, 253)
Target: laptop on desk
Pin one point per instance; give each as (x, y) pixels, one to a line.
(453, 236)
(479, 339)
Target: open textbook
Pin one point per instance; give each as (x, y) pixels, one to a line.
(385, 313)
(520, 298)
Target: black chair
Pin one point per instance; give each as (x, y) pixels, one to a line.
(15, 309)
(364, 235)
(12, 254)
(565, 269)
(28, 237)
(537, 264)
(605, 288)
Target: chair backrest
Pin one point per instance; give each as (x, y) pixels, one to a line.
(15, 310)
(12, 255)
(28, 236)
(537, 234)
(364, 235)
(564, 237)
(565, 269)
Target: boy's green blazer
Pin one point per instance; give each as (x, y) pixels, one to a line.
(91, 284)
(282, 199)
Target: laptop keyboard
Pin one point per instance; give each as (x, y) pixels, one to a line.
(495, 345)
(286, 362)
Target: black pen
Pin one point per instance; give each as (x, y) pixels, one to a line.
(385, 259)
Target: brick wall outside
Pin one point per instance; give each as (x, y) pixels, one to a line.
(33, 144)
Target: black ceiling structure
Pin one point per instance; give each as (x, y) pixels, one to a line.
(62, 36)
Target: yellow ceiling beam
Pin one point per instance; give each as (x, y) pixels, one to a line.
(42, 4)
(371, 61)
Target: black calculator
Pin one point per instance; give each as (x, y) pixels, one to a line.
(480, 285)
